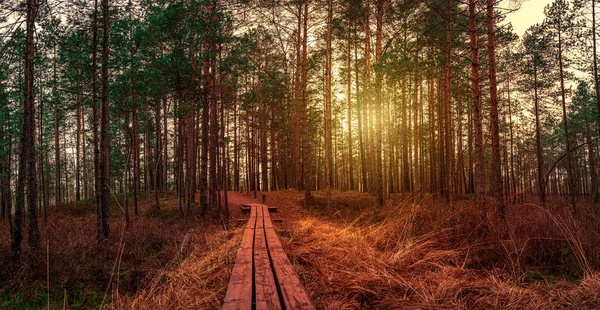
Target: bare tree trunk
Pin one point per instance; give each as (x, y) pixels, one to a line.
(359, 110)
(328, 145)
(214, 140)
(595, 193)
(77, 149)
(27, 169)
(367, 100)
(494, 126)
(41, 166)
(378, 104)
(570, 171)
(477, 124)
(165, 146)
(103, 171)
(349, 99)
(416, 103)
(206, 79)
(236, 152)
(297, 116)
(432, 142)
(136, 144)
(513, 188)
(83, 156)
(157, 169)
(95, 113)
(538, 139)
(592, 158)
(57, 183)
(29, 118)
(306, 154)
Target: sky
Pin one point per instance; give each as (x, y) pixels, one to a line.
(531, 12)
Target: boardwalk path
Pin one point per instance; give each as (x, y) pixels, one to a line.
(262, 277)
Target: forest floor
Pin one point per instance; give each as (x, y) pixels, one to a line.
(412, 253)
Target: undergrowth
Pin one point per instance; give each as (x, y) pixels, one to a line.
(83, 275)
(415, 253)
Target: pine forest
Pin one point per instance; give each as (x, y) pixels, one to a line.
(299, 154)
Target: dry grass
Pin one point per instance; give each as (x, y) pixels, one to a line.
(413, 254)
(199, 282)
(86, 276)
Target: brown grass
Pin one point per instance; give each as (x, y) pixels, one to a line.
(411, 254)
(414, 254)
(199, 282)
(84, 275)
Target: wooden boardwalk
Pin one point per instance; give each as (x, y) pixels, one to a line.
(263, 277)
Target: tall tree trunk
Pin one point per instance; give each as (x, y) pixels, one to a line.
(595, 57)
(214, 140)
(513, 188)
(136, 143)
(157, 175)
(477, 124)
(165, 146)
(32, 194)
(595, 193)
(449, 147)
(83, 157)
(592, 158)
(432, 142)
(103, 171)
(57, 183)
(95, 115)
(29, 119)
(236, 152)
(416, 103)
(538, 138)
(27, 169)
(570, 171)
(77, 149)
(206, 79)
(360, 113)
(378, 103)
(494, 126)
(328, 145)
(349, 99)
(41, 166)
(296, 158)
(367, 98)
(306, 154)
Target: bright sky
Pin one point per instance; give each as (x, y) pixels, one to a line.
(531, 12)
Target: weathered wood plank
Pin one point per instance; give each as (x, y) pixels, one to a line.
(266, 290)
(271, 209)
(293, 293)
(262, 262)
(239, 292)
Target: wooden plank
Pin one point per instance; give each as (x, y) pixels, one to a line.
(266, 296)
(271, 209)
(293, 293)
(266, 291)
(239, 292)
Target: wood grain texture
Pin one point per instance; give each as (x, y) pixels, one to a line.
(262, 262)
(266, 290)
(293, 293)
(239, 292)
